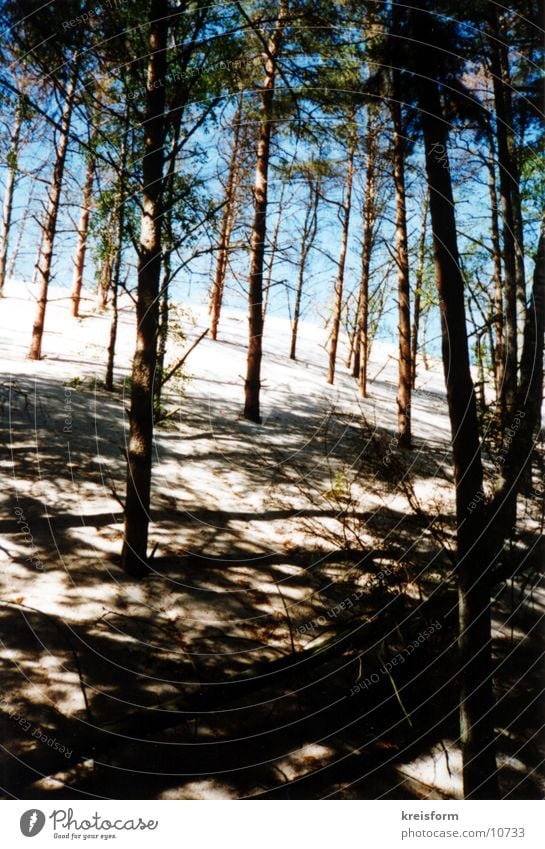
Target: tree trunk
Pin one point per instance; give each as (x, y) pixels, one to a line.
(418, 291)
(498, 282)
(50, 224)
(476, 695)
(112, 339)
(252, 384)
(21, 229)
(8, 196)
(503, 508)
(508, 226)
(403, 283)
(116, 267)
(79, 261)
(361, 357)
(339, 282)
(226, 225)
(310, 227)
(167, 265)
(137, 518)
(272, 257)
(513, 175)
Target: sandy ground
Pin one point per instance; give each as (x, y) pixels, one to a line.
(246, 523)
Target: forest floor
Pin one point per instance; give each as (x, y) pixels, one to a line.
(293, 561)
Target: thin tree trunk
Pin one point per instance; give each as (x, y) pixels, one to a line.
(167, 268)
(403, 283)
(272, 257)
(38, 255)
(353, 357)
(310, 227)
(339, 282)
(361, 358)
(503, 508)
(116, 268)
(50, 224)
(419, 279)
(8, 196)
(21, 230)
(227, 224)
(474, 642)
(79, 261)
(513, 176)
(112, 339)
(498, 348)
(252, 384)
(506, 166)
(135, 542)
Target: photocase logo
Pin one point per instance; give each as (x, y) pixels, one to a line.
(32, 822)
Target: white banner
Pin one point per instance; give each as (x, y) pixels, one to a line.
(273, 824)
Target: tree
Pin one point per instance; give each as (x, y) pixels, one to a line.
(402, 261)
(49, 227)
(9, 190)
(345, 210)
(139, 456)
(83, 228)
(308, 236)
(252, 384)
(228, 221)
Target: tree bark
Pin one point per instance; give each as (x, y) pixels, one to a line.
(498, 281)
(49, 229)
(167, 268)
(403, 282)
(419, 279)
(361, 357)
(134, 552)
(474, 643)
(116, 267)
(10, 186)
(79, 261)
(227, 224)
(252, 384)
(506, 166)
(339, 282)
(272, 257)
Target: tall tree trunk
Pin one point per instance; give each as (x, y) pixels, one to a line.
(227, 224)
(419, 279)
(403, 283)
(513, 175)
(50, 223)
(116, 267)
(137, 518)
(498, 282)
(167, 268)
(274, 249)
(252, 384)
(79, 261)
(503, 508)
(506, 172)
(112, 339)
(361, 358)
(310, 226)
(339, 282)
(10, 186)
(474, 642)
(20, 230)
